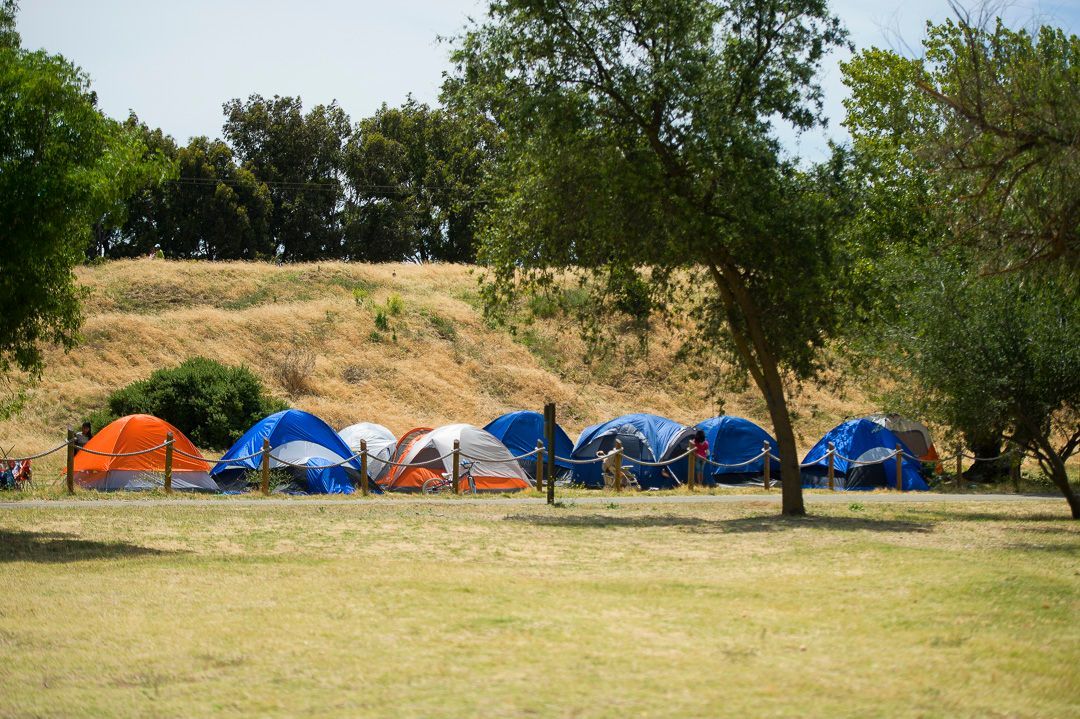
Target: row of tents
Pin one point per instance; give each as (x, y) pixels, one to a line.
(320, 460)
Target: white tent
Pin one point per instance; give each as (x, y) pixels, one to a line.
(491, 463)
(381, 443)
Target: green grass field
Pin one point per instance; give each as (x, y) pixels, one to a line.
(412, 610)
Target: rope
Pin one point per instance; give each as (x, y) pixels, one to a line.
(664, 463)
(594, 460)
(287, 463)
(182, 453)
(418, 464)
(492, 459)
(125, 454)
(740, 464)
(35, 456)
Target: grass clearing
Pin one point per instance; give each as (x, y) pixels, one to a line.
(379, 609)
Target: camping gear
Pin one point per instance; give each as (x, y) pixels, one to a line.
(381, 444)
(493, 468)
(520, 430)
(733, 440)
(135, 433)
(297, 438)
(645, 437)
(866, 442)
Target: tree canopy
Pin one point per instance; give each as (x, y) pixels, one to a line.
(63, 166)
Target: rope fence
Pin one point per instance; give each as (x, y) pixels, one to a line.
(540, 455)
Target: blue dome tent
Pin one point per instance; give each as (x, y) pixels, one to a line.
(865, 441)
(733, 440)
(299, 438)
(644, 436)
(519, 432)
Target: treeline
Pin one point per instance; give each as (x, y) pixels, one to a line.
(300, 186)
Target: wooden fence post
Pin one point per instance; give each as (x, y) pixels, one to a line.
(618, 466)
(540, 465)
(832, 467)
(457, 466)
(266, 467)
(768, 464)
(168, 462)
(899, 469)
(691, 470)
(363, 468)
(549, 433)
(71, 461)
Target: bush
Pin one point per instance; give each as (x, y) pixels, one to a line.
(382, 323)
(293, 369)
(395, 305)
(211, 403)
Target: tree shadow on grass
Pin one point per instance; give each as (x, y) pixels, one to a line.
(724, 526)
(61, 547)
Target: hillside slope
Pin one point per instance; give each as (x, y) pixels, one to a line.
(437, 362)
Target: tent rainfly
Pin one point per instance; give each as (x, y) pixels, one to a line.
(381, 444)
(493, 467)
(866, 442)
(519, 431)
(645, 437)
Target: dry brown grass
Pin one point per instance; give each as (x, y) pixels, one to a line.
(146, 314)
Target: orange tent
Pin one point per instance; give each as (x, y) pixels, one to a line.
(428, 451)
(135, 433)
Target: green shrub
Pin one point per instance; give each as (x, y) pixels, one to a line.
(443, 327)
(382, 322)
(395, 305)
(360, 295)
(211, 403)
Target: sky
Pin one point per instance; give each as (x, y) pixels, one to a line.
(174, 62)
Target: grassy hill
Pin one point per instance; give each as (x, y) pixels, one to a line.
(311, 332)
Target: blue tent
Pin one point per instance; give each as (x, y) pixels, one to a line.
(733, 440)
(519, 432)
(644, 436)
(865, 441)
(298, 438)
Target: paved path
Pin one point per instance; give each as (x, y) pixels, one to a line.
(838, 498)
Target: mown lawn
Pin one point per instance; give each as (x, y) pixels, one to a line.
(406, 610)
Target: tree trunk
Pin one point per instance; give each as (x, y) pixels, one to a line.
(765, 371)
(1058, 475)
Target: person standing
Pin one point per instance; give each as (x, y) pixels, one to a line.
(700, 446)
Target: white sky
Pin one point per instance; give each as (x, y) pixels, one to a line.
(174, 62)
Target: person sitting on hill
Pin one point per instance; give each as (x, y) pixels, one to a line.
(83, 436)
(7, 475)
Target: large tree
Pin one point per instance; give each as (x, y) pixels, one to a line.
(641, 153)
(299, 157)
(63, 166)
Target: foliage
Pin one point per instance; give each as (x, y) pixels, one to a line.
(994, 115)
(640, 154)
(293, 369)
(299, 157)
(63, 166)
(413, 173)
(395, 305)
(211, 403)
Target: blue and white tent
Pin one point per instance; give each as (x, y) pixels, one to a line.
(645, 437)
(733, 440)
(864, 441)
(298, 438)
(519, 432)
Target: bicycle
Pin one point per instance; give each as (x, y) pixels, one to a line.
(445, 482)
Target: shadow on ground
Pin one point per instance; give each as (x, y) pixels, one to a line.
(60, 547)
(724, 526)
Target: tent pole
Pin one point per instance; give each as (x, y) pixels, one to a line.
(363, 468)
(168, 462)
